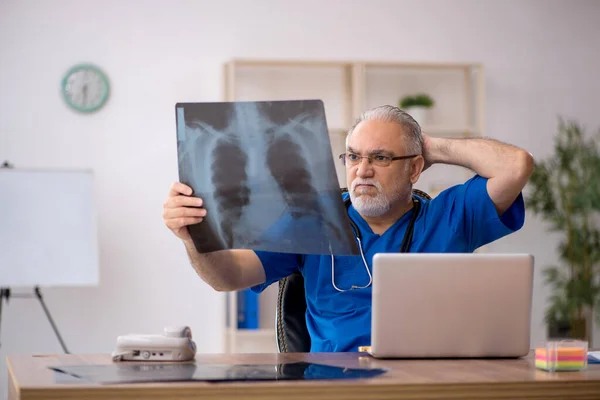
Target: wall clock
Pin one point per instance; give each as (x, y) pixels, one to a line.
(85, 88)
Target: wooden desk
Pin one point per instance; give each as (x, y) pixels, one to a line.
(29, 378)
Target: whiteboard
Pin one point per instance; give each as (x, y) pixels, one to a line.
(48, 234)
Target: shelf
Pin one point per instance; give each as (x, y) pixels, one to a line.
(448, 131)
(241, 62)
(262, 339)
(251, 341)
(253, 333)
(272, 81)
(347, 89)
(433, 130)
(422, 65)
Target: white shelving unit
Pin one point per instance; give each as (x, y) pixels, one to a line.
(347, 88)
(262, 340)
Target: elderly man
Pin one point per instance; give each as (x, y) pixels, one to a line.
(385, 155)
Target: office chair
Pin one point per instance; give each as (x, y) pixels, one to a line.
(290, 318)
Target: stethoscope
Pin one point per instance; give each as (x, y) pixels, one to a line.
(404, 247)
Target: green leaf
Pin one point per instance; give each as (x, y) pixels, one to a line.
(564, 190)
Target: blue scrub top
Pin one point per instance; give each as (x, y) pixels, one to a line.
(458, 220)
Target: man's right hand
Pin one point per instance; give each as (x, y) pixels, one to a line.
(223, 270)
(181, 209)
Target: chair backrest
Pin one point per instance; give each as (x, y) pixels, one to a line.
(292, 333)
(290, 318)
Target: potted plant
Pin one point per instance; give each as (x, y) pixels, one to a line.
(417, 105)
(565, 192)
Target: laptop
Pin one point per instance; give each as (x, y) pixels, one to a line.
(451, 305)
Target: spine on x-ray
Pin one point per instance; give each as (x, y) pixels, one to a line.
(230, 181)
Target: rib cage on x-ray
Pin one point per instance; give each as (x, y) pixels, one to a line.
(262, 166)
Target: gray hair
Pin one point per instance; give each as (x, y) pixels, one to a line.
(388, 113)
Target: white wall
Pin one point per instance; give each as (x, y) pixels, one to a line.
(542, 59)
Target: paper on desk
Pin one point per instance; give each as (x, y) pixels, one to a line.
(267, 177)
(593, 357)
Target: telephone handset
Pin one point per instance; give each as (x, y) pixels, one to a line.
(174, 344)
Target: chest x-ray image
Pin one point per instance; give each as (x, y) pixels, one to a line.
(265, 172)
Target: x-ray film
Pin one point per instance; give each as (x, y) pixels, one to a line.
(134, 372)
(265, 172)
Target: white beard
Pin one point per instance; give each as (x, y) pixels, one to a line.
(378, 205)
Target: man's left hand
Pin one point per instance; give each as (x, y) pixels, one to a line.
(429, 149)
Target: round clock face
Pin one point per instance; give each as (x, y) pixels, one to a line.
(85, 88)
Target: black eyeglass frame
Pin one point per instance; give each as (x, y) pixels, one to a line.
(370, 158)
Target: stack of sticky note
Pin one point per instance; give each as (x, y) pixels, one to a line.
(560, 356)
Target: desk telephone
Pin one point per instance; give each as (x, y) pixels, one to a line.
(174, 344)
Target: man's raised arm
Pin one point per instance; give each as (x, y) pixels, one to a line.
(507, 167)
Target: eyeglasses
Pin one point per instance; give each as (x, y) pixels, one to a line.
(379, 160)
